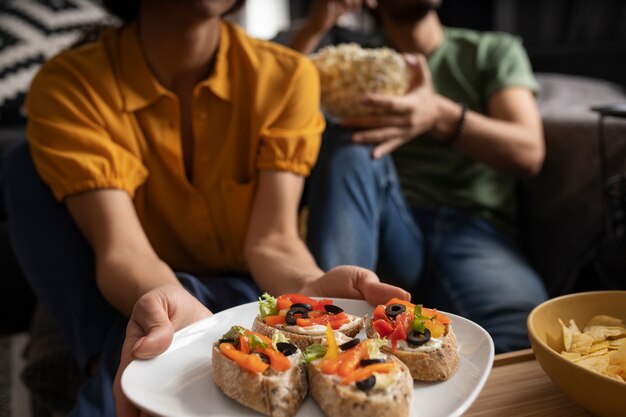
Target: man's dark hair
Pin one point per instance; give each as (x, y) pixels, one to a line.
(128, 10)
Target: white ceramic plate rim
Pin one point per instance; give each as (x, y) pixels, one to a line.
(177, 383)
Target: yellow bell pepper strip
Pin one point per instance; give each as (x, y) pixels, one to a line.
(365, 372)
(332, 351)
(250, 362)
(436, 328)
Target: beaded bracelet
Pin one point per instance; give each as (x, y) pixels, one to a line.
(459, 127)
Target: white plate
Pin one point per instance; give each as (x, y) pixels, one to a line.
(178, 383)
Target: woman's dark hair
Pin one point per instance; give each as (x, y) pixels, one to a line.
(128, 10)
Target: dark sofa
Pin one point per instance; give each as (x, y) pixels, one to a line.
(573, 52)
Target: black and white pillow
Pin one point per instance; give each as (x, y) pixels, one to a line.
(31, 31)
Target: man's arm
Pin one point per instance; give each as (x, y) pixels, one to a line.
(280, 261)
(509, 137)
(322, 16)
(126, 265)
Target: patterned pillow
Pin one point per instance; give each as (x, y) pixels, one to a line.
(31, 31)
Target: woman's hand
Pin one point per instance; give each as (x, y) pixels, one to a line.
(354, 282)
(155, 318)
(395, 120)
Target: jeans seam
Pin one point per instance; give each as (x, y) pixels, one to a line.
(397, 198)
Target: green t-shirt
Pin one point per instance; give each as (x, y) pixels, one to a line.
(468, 67)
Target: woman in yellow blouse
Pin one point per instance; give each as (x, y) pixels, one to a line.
(176, 146)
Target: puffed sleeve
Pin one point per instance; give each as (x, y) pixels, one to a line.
(291, 142)
(506, 64)
(69, 139)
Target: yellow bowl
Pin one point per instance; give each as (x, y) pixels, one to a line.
(603, 396)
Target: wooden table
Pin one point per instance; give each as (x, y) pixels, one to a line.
(518, 387)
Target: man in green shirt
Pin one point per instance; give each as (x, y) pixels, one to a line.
(424, 190)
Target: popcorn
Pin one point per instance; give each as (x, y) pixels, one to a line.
(347, 72)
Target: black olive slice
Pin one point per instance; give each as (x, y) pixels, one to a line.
(263, 357)
(301, 312)
(365, 362)
(393, 310)
(226, 340)
(303, 305)
(414, 338)
(367, 383)
(286, 348)
(333, 309)
(350, 344)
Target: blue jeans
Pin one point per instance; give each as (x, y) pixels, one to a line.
(446, 258)
(59, 265)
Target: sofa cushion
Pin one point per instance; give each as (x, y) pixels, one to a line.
(562, 209)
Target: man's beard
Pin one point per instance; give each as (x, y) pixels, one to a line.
(407, 11)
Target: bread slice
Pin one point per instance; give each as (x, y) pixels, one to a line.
(275, 394)
(337, 400)
(436, 365)
(303, 341)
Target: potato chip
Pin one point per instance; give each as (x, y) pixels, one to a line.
(581, 342)
(595, 363)
(600, 333)
(602, 320)
(567, 336)
(619, 356)
(573, 327)
(600, 347)
(571, 356)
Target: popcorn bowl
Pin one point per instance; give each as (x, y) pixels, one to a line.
(348, 71)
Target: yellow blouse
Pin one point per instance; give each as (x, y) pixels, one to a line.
(98, 118)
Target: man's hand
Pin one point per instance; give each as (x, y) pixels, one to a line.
(324, 14)
(395, 120)
(155, 318)
(354, 282)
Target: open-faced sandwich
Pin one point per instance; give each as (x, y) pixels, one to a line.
(422, 338)
(356, 379)
(303, 319)
(266, 375)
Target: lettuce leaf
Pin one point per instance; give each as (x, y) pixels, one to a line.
(313, 352)
(234, 333)
(267, 305)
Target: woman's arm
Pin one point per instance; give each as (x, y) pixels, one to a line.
(280, 261)
(126, 264)
(133, 279)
